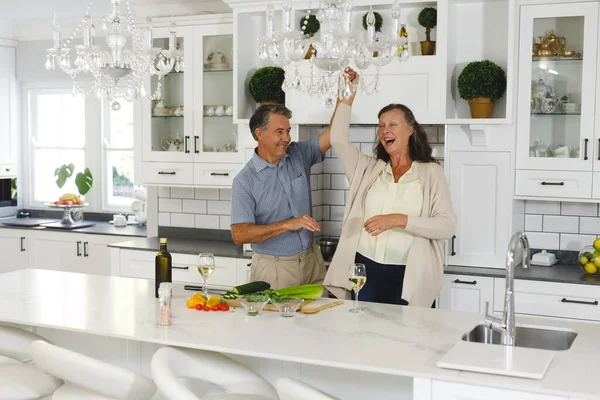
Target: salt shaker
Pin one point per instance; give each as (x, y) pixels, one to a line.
(164, 303)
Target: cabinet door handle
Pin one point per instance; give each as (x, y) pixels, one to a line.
(598, 149)
(544, 183)
(186, 267)
(196, 138)
(452, 252)
(585, 144)
(465, 282)
(22, 243)
(589, 303)
(219, 173)
(167, 172)
(85, 249)
(249, 265)
(78, 249)
(185, 144)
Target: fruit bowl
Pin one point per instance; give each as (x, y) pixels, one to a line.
(589, 260)
(254, 303)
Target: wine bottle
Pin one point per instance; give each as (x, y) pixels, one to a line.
(163, 264)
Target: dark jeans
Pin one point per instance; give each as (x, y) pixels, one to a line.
(384, 282)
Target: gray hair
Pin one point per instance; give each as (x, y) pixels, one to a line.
(260, 119)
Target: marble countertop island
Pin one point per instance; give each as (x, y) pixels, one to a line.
(385, 339)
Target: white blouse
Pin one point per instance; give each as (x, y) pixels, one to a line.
(388, 197)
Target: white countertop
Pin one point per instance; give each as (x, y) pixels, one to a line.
(387, 339)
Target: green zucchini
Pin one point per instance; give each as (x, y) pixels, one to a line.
(252, 287)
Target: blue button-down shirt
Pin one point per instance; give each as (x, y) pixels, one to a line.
(265, 193)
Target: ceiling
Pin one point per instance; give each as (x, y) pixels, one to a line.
(23, 10)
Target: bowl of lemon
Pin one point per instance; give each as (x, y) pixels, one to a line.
(589, 258)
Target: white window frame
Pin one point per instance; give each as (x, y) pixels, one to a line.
(94, 152)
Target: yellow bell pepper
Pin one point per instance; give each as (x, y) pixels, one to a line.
(200, 297)
(213, 301)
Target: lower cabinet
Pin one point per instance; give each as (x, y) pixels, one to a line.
(467, 293)
(552, 299)
(458, 391)
(14, 247)
(140, 264)
(71, 252)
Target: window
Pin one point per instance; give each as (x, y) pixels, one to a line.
(58, 136)
(118, 156)
(64, 129)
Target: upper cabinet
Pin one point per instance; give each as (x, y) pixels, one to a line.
(189, 137)
(557, 142)
(8, 103)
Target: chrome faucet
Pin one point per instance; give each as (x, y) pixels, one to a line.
(506, 325)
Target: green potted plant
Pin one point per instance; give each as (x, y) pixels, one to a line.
(265, 85)
(83, 181)
(428, 20)
(378, 21)
(310, 26)
(481, 83)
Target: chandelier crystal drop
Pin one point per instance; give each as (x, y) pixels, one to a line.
(118, 69)
(336, 45)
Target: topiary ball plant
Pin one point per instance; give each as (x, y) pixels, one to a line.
(428, 20)
(482, 79)
(378, 21)
(265, 85)
(309, 25)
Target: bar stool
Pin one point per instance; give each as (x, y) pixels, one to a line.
(20, 379)
(291, 389)
(206, 374)
(88, 378)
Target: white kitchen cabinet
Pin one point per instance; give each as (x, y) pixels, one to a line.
(551, 299)
(72, 252)
(140, 264)
(14, 246)
(8, 103)
(466, 293)
(243, 270)
(198, 144)
(480, 188)
(557, 141)
(458, 391)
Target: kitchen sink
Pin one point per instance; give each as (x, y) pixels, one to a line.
(535, 338)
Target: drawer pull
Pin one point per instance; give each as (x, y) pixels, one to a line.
(78, 249)
(185, 144)
(167, 173)
(196, 138)
(553, 183)
(249, 265)
(453, 253)
(22, 243)
(590, 303)
(585, 144)
(465, 282)
(219, 173)
(598, 149)
(85, 249)
(186, 267)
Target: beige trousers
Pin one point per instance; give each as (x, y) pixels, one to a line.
(285, 271)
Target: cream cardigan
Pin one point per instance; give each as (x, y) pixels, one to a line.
(424, 266)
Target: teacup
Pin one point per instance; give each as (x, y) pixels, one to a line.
(562, 152)
(209, 110)
(220, 110)
(229, 110)
(119, 220)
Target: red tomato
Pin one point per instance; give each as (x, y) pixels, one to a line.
(198, 306)
(206, 308)
(216, 307)
(224, 307)
(69, 202)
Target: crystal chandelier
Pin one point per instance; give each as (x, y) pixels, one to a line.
(336, 45)
(118, 71)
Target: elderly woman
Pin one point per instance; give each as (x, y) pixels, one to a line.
(398, 211)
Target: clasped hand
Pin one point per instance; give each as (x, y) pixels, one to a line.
(381, 223)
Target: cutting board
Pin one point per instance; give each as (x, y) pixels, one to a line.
(268, 307)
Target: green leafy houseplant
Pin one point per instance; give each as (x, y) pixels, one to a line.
(378, 21)
(482, 82)
(83, 180)
(265, 85)
(310, 25)
(428, 19)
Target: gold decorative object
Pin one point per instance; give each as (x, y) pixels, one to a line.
(551, 45)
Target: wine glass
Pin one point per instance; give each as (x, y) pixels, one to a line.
(206, 267)
(357, 277)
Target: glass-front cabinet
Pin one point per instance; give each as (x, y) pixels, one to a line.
(188, 136)
(557, 88)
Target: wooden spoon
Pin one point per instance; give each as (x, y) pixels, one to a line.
(314, 310)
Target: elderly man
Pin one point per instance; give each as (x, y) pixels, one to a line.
(271, 202)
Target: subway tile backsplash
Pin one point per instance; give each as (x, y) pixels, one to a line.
(554, 225)
(211, 208)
